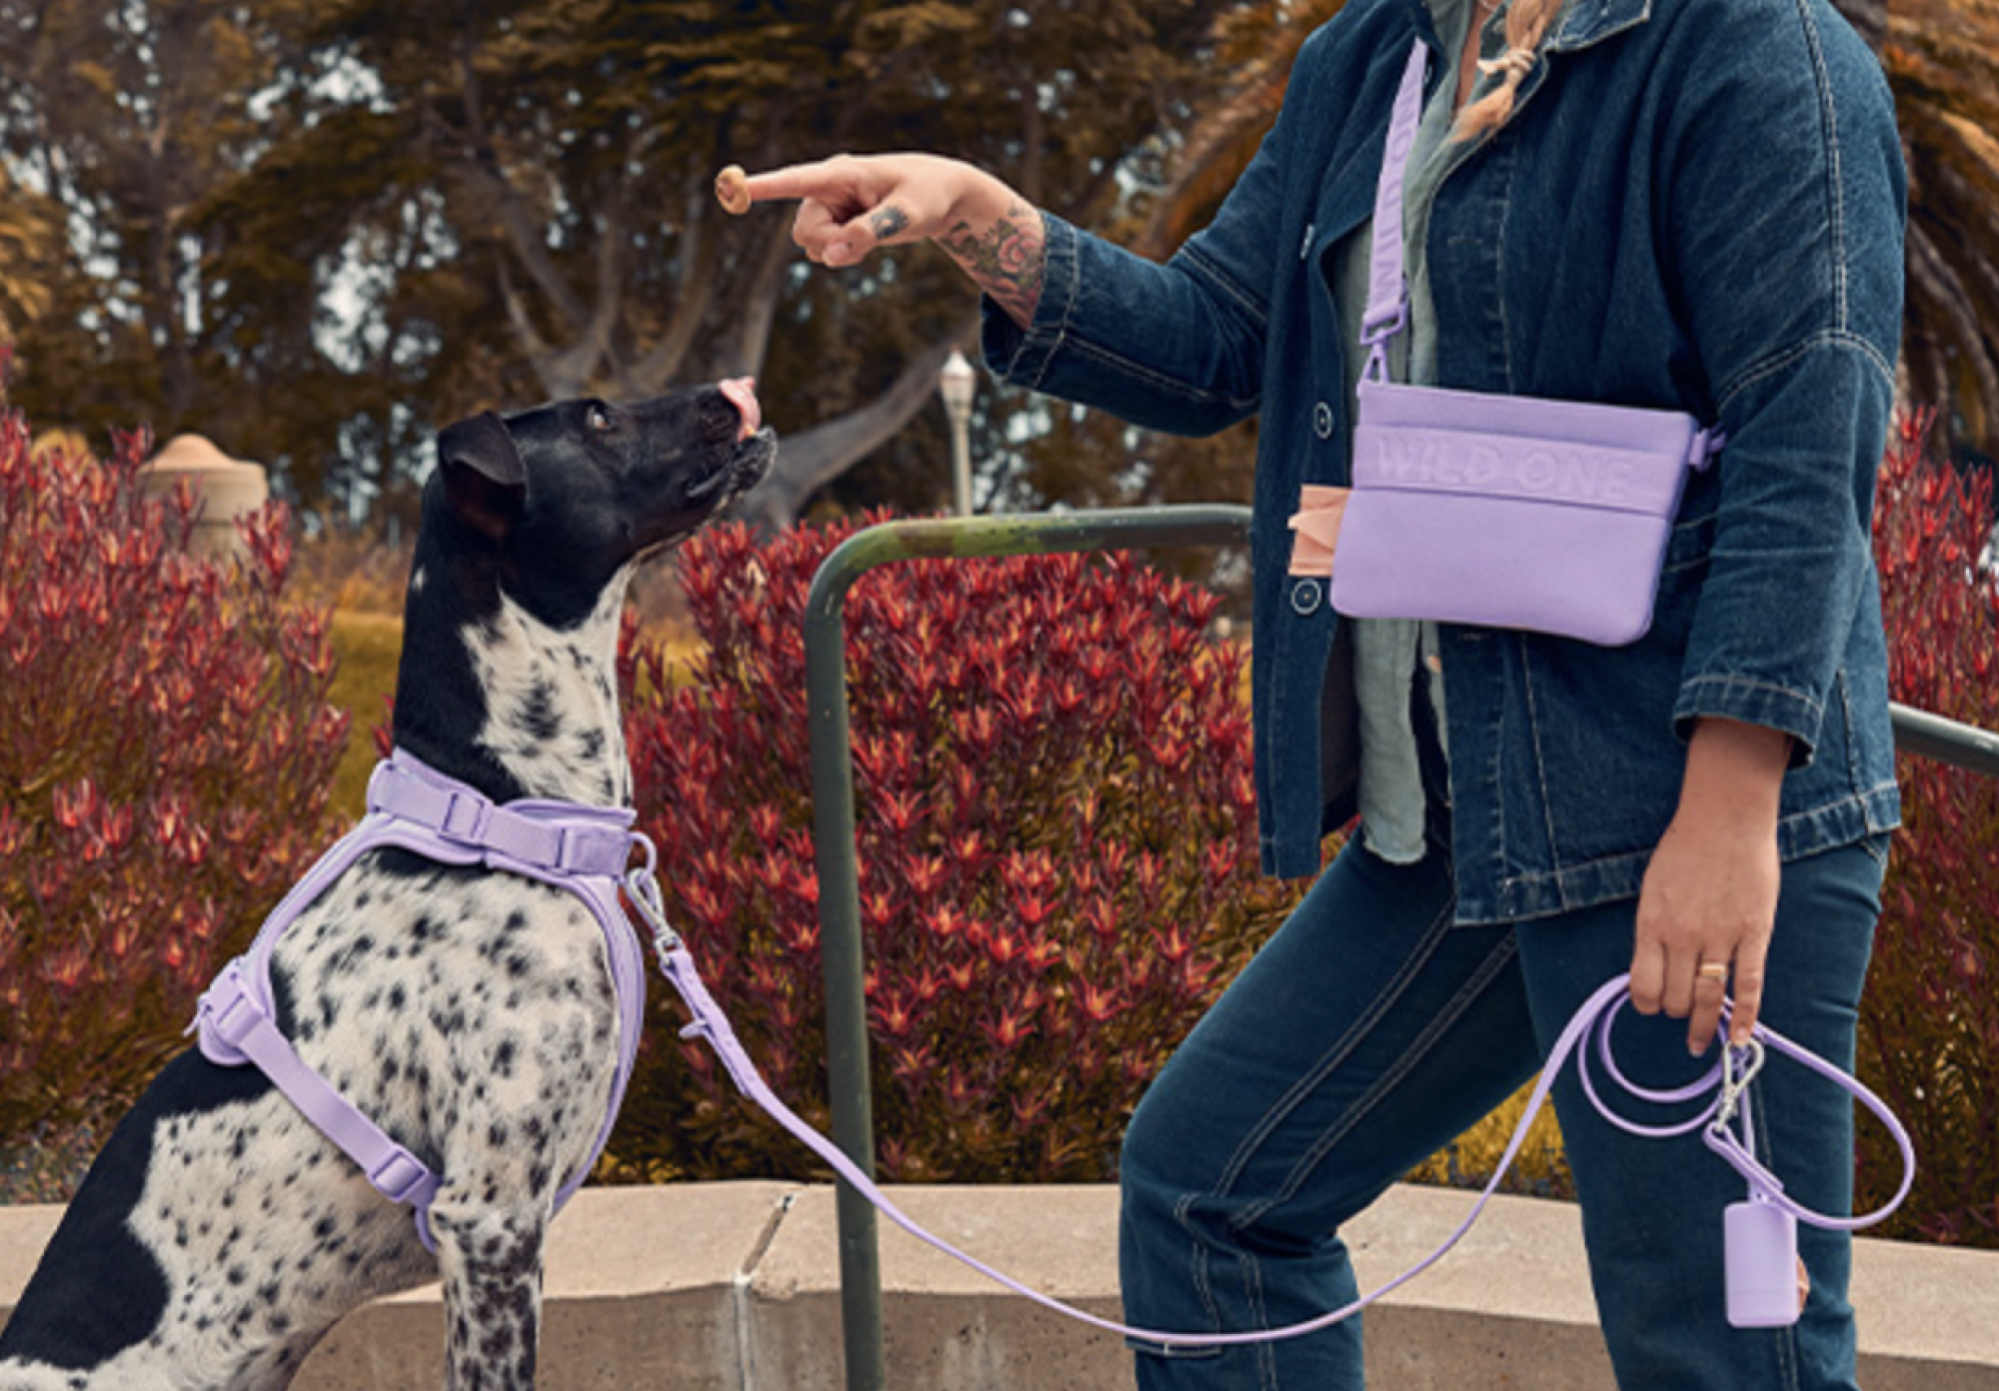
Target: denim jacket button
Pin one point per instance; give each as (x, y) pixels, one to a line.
(1306, 596)
(1322, 420)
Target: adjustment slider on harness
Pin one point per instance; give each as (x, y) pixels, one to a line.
(465, 818)
(226, 1007)
(401, 1179)
(571, 851)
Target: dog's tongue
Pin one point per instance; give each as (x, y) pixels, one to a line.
(742, 394)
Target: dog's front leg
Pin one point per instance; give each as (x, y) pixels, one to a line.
(490, 1261)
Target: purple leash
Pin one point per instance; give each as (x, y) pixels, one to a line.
(1756, 1257)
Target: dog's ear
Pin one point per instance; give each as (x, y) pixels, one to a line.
(484, 478)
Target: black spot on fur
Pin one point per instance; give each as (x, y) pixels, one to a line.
(538, 713)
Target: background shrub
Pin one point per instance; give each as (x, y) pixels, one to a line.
(1929, 1039)
(1057, 852)
(165, 752)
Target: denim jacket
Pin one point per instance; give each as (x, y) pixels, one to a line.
(1698, 204)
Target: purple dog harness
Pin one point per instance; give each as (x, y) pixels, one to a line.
(411, 807)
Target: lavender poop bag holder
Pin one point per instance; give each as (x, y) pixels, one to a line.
(1498, 511)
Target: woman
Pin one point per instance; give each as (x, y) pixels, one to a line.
(1688, 204)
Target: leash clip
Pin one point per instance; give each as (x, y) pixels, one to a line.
(1735, 1082)
(642, 884)
(644, 890)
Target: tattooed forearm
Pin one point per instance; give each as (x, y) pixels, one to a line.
(1007, 258)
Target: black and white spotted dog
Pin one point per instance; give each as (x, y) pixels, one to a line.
(469, 1013)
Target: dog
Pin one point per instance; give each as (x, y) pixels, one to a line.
(469, 1013)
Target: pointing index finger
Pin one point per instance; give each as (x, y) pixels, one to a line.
(737, 190)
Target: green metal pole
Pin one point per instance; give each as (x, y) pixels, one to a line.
(842, 951)
(1947, 741)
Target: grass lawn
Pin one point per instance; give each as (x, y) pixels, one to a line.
(368, 645)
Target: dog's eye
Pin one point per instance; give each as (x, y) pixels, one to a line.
(597, 419)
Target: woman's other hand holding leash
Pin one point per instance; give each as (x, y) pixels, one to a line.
(1710, 894)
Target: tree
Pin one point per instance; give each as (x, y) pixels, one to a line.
(1942, 58)
(124, 116)
(316, 228)
(564, 153)
(28, 241)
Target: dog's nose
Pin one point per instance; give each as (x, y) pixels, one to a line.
(742, 394)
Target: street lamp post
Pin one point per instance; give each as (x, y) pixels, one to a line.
(955, 383)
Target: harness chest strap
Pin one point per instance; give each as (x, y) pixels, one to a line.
(573, 847)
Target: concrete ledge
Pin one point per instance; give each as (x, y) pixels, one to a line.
(732, 1287)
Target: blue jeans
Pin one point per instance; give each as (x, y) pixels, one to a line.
(1370, 1031)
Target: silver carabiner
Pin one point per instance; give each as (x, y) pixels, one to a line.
(1735, 1082)
(643, 888)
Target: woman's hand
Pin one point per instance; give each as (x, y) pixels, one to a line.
(1709, 899)
(849, 206)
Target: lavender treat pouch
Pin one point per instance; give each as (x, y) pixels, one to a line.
(1498, 511)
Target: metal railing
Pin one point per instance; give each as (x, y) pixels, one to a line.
(842, 949)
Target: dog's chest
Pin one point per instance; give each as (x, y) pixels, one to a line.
(470, 1013)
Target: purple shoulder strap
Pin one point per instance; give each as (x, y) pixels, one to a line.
(1388, 287)
(412, 807)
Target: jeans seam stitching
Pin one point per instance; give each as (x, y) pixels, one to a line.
(1786, 1337)
(1454, 1009)
(1231, 1171)
(1332, 1058)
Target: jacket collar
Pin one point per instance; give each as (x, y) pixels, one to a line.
(1586, 22)
(1583, 22)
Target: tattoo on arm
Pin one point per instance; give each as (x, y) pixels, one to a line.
(1007, 258)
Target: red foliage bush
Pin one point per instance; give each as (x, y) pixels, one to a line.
(1057, 853)
(165, 754)
(1929, 1039)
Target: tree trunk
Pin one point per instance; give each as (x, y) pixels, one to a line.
(814, 457)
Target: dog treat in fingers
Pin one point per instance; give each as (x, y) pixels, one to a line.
(732, 190)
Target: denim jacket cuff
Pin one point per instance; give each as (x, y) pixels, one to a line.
(1751, 702)
(1019, 356)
